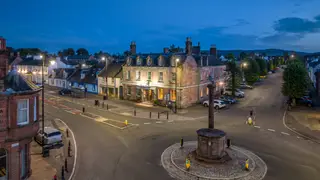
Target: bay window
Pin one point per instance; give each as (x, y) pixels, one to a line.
(23, 112)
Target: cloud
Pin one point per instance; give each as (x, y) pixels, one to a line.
(281, 38)
(297, 25)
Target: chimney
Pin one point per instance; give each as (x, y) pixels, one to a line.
(133, 48)
(188, 46)
(2, 43)
(196, 49)
(165, 50)
(213, 50)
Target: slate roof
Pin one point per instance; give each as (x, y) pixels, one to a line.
(314, 64)
(78, 57)
(60, 72)
(113, 70)
(14, 82)
(90, 75)
(70, 62)
(33, 62)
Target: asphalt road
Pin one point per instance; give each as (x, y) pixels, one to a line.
(134, 153)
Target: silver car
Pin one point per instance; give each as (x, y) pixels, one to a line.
(51, 136)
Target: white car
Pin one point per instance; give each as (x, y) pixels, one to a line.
(237, 93)
(51, 136)
(218, 104)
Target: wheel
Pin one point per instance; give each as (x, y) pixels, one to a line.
(309, 105)
(216, 107)
(205, 105)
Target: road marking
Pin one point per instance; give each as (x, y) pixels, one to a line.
(170, 121)
(123, 141)
(71, 112)
(257, 127)
(285, 133)
(146, 123)
(158, 122)
(298, 137)
(55, 107)
(272, 130)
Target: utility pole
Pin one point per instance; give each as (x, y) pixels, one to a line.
(42, 116)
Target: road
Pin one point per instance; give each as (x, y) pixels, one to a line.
(105, 152)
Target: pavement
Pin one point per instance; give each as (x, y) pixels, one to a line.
(46, 168)
(134, 153)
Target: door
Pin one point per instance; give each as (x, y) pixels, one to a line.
(121, 92)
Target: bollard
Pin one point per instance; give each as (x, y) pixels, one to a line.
(228, 143)
(167, 114)
(69, 144)
(107, 107)
(158, 115)
(134, 112)
(102, 104)
(62, 172)
(126, 122)
(181, 143)
(188, 164)
(55, 177)
(69, 151)
(83, 109)
(67, 132)
(150, 115)
(66, 165)
(247, 165)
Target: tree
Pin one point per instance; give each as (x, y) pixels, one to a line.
(230, 56)
(263, 66)
(243, 55)
(233, 74)
(66, 52)
(82, 51)
(295, 80)
(174, 49)
(127, 53)
(270, 65)
(252, 71)
(29, 51)
(264, 54)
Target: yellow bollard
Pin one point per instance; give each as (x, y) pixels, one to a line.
(126, 122)
(247, 165)
(250, 121)
(188, 164)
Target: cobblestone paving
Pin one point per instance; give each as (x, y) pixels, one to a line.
(173, 160)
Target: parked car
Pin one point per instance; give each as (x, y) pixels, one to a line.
(51, 136)
(228, 99)
(65, 92)
(245, 86)
(39, 85)
(273, 71)
(218, 104)
(305, 100)
(238, 93)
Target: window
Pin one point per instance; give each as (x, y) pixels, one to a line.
(3, 164)
(160, 94)
(173, 76)
(23, 161)
(173, 95)
(112, 80)
(35, 109)
(128, 75)
(138, 61)
(201, 92)
(23, 112)
(207, 91)
(149, 76)
(129, 90)
(160, 76)
(138, 74)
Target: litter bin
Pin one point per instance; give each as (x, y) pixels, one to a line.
(96, 102)
(46, 152)
(104, 97)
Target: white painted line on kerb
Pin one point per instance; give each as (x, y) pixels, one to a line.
(272, 130)
(158, 122)
(170, 121)
(55, 107)
(146, 123)
(285, 133)
(257, 127)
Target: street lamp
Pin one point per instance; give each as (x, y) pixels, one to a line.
(52, 62)
(42, 116)
(103, 58)
(176, 86)
(243, 65)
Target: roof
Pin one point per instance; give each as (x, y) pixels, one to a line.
(59, 73)
(314, 64)
(70, 62)
(113, 70)
(78, 57)
(90, 75)
(14, 82)
(30, 61)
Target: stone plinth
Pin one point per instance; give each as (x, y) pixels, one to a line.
(211, 146)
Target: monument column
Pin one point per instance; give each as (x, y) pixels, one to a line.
(211, 105)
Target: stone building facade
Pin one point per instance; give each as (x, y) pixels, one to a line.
(19, 105)
(177, 77)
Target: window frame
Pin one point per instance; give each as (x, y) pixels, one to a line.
(149, 78)
(160, 79)
(18, 110)
(35, 110)
(138, 78)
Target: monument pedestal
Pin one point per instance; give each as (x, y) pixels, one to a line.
(211, 146)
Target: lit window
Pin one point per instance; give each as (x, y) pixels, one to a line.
(112, 80)
(173, 95)
(201, 92)
(138, 75)
(149, 76)
(207, 91)
(160, 76)
(35, 109)
(173, 76)
(23, 112)
(128, 75)
(160, 94)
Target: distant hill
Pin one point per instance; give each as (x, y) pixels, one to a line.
(269, 52)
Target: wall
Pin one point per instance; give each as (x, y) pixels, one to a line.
(101, 83)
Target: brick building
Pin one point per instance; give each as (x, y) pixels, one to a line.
(178, 77)
(18, 121)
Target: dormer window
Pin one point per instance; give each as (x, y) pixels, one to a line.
(149, 61)
(160, 61)
(138, 61)
(129, 61)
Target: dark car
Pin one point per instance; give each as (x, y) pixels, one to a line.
(305, 100)
(228, 99)
(65, 92)
(245, 86)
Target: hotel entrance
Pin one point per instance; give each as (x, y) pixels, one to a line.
(148, 95)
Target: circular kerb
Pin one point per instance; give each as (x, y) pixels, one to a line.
(173, 160)
(207, 132)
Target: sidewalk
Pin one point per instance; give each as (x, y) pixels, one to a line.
(305, 122)
(46, 168)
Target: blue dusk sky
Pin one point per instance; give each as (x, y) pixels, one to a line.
(110, 25)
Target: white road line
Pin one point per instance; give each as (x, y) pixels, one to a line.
(55, 107)
(257, 127)
(170, 121)
(298, 137)
(272, 130)
(146, 123)
(285, 133)
(158, 122)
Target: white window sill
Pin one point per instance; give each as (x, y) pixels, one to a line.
(23, 123)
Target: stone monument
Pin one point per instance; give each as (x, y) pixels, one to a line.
(211, 141)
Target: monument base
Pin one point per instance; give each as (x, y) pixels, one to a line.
(211, 146)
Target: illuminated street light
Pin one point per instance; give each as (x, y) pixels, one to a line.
(244, 64)
(52, 62)
(177, 60)
(221, 83)
(103, 58)
(83, 65)
(292, 56)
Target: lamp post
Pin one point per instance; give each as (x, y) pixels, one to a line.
(43, 57)
(243, 65)
(176, 86)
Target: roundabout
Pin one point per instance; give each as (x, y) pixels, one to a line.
(174, 157)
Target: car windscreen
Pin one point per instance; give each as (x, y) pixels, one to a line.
(55, 134)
